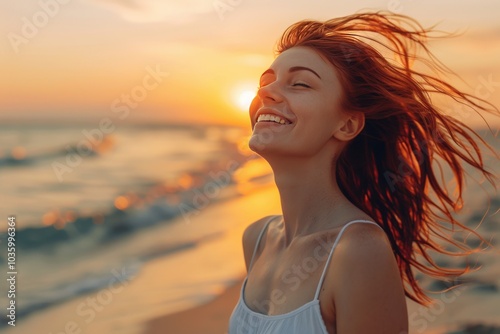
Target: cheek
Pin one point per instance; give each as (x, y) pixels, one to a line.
(318, 124)
(318, 132)
(318, 114)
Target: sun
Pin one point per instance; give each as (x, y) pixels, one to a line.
(243, 98)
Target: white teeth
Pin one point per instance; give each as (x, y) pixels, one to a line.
(271, 118)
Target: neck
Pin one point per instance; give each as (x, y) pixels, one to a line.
(309, 193)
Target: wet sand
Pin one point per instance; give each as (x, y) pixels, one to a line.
(211, 318)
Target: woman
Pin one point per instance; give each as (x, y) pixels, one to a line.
(351, 136)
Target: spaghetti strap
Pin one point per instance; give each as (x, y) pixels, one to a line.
(320, 284)
(258, 242)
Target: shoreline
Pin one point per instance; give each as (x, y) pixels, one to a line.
(161, 288)
(211, 317)
(161, 299)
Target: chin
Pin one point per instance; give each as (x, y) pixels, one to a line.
(259, 143)
(265, 136)
(267, 148)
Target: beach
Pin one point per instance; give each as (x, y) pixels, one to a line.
(160, 288)
(211, 318)
(127, 178)
(471, 307)
(474, 312)
(148, 265)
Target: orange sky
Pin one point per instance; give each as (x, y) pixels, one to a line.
(77, 60)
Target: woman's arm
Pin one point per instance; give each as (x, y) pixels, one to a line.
(367, 287)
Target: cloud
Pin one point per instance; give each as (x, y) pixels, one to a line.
(173, 11)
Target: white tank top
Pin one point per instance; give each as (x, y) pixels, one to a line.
(305, 319)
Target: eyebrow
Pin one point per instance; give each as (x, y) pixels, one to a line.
(292, 69)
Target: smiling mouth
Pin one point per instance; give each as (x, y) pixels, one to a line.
(272, 119)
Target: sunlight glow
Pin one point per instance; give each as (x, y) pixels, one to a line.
(243, 98)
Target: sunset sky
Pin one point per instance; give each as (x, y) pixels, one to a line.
(77, 60)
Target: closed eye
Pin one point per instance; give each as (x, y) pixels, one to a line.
(301, 84)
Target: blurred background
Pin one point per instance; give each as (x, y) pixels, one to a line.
(124, 158)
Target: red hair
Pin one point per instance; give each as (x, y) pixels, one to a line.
(387, 169)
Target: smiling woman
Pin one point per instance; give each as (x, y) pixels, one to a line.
(335, 119)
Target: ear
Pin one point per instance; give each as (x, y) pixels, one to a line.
(351, 126)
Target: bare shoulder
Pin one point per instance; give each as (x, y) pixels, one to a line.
(366, 283)
(364, 238)
(250, 236)
(366, 247)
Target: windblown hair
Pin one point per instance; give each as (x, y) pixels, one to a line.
(387, 170)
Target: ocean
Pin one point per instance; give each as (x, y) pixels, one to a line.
(93, 211)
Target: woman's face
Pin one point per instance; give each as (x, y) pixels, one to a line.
(302, 89)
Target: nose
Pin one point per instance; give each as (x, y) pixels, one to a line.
(270, 93)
